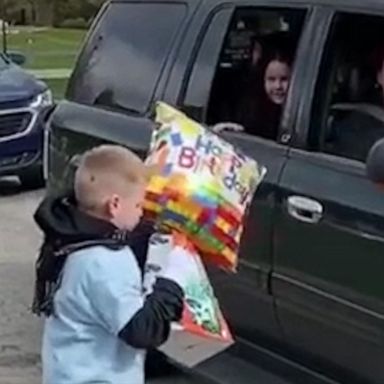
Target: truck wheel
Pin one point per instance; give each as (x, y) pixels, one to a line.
(156, 365)
(32, 178)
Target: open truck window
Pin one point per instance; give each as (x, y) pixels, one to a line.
(253, 71)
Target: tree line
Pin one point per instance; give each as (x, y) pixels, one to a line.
(49, 12)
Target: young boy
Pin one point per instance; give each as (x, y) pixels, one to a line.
(89, 281)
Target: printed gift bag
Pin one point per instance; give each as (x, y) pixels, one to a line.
(203, 331)
(203, 188)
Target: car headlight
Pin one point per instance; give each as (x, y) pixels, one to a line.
(44, 99)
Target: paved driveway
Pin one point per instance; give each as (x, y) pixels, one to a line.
(20, 332)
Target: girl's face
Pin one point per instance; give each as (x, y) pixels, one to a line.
(276, 81)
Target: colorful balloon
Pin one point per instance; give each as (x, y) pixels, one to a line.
(204, 185)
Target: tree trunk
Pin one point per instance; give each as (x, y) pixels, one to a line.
(45, 12)
(31, 12)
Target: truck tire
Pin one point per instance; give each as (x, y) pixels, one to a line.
(32, 178)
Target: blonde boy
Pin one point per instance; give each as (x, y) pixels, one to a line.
(89, 281)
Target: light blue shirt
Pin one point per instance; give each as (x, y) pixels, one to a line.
(100, 291)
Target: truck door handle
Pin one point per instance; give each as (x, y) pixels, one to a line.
(305, 209)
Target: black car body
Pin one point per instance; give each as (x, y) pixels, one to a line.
(23, 103)
(308, 300)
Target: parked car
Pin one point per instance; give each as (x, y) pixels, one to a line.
(307, 304)
(24, 101)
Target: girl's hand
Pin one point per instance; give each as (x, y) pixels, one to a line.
(227, 126)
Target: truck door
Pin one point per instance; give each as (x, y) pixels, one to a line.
(329, 240)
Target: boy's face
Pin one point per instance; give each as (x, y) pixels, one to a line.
(125, 211)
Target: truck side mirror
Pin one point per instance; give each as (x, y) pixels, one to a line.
(375, 163)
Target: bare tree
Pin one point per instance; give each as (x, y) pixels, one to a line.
(45, 11)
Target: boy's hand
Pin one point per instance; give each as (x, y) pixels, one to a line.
(178, 239)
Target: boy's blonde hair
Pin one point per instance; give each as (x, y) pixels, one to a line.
(105, 170)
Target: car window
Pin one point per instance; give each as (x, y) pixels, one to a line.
(253, 70)
(122, 62)
(347, 117)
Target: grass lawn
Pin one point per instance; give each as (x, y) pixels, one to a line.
(47, 48)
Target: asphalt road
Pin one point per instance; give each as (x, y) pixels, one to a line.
(20, 331)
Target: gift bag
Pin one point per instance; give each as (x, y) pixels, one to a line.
(202, 331)
(203, 188)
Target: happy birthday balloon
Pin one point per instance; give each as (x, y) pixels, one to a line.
(204, 185)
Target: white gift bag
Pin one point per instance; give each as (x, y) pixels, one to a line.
(203, 331)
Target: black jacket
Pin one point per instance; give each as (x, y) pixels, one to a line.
(66, 229)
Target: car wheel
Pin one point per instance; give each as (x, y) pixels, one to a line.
(32, 178)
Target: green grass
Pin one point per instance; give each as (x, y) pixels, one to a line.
(47, 48)
(58, 87)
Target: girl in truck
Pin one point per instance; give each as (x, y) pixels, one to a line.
(261, 107)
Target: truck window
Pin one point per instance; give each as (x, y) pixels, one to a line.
(122, 62)
(253, 70)
(347, 117)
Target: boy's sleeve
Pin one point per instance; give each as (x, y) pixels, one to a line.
(150, 326)
(117, 299)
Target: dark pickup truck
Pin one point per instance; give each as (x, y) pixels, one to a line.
(308, 301)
